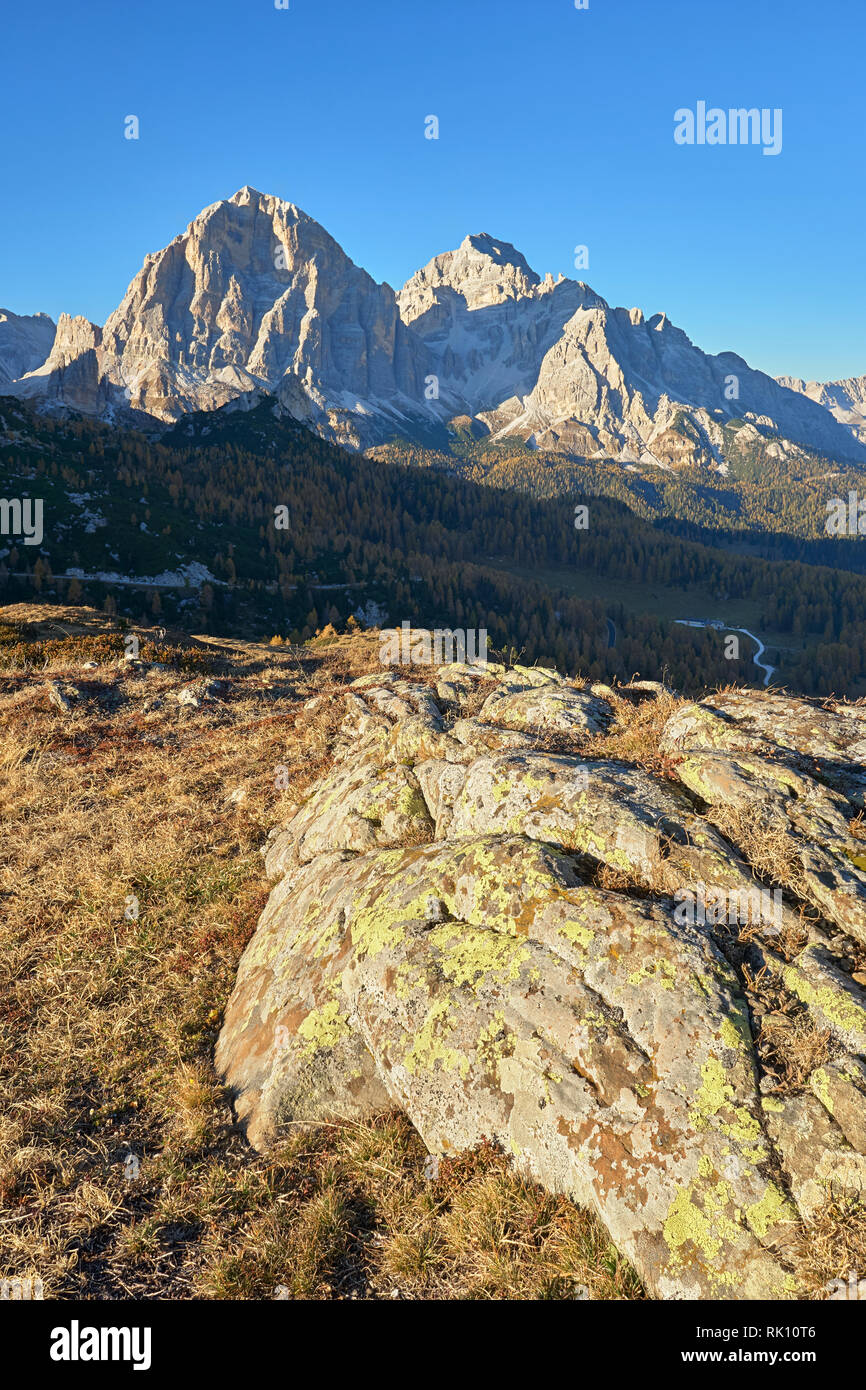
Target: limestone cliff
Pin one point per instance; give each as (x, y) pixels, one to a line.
(256, 296)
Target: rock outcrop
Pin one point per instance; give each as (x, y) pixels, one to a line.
(485, 919)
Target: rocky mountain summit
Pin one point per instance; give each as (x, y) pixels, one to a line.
(636, 966)
(255, 296)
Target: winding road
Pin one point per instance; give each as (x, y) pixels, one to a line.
(758, 654)
(705, 622)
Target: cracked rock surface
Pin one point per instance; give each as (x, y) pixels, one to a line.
(441, 937)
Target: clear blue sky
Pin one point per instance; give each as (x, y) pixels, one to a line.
(556, 129)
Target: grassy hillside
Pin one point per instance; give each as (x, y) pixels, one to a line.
(125, 518)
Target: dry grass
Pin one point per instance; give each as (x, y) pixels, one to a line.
(470, 705)
(764, 842)
(770, 852)
(362, 1219)
(789, 1047)
(830, 1246)
(132, 804)
(635, 734)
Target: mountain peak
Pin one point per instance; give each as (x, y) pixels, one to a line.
(256, 296)
(247, 194)
(25, 342)
(483, 270)
(252, 197)
(501, 253)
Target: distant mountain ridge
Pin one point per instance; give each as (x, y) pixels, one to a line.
(255, 296)
(845, 399)
(25, 341)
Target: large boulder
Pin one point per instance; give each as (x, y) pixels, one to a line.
(806, 823)
(495, 996)
(438, 940)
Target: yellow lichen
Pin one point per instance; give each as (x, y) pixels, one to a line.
(429, 1049)
(707, 1228)
(820, 1083)
(714, 1093)
(471, 955)
(736, 1033)
(773, 1207)
(660, 971)
(322, 1028)
(839, 1007)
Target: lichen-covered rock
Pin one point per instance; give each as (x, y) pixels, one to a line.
(841, 1088)
(491, 738)
(357, 807)
(832, 999)
(651, 690)
(510, 678)
(818, 1160)
(810, 824)
(827, 741)
(615, 815)
(607, 1051)
(285, 1047)
(438, 941)
(544, 708)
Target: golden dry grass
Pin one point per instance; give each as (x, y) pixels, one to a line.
(788, 1045)
(831, 1246)
(764, 841)
(132, 878)
(636, 732)
(122, 1173)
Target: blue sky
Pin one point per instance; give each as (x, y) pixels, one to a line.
(556, 129)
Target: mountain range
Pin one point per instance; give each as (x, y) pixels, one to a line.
(846, 400)
(256, 299)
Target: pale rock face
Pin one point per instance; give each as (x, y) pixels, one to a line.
(846, 400)
(256, 296)
(553, 364)
(488, 321)
(25, 342)
(482, 271)
(72, 373)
